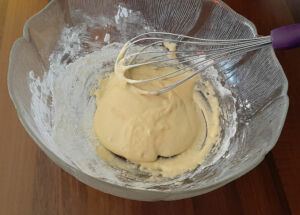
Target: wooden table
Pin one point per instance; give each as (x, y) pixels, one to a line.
(32, 184)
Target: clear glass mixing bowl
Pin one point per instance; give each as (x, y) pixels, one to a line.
(256, 79)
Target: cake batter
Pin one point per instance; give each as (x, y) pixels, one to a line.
(179, 125)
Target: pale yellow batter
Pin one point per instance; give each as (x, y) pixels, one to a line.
(142, 127)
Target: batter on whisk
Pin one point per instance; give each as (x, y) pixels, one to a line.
(145, 129)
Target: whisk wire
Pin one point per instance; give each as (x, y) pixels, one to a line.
(172, 86)
(205, 53)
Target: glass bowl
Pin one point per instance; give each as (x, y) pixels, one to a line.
(256, 80)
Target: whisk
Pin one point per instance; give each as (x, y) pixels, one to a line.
(196, 54)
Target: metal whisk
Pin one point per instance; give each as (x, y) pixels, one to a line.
(196, 54)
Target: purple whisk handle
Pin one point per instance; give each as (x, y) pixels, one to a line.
(286, 37)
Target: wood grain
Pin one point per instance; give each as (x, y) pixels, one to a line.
(32, 184)
(268, 15)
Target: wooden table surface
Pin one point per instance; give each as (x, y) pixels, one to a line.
(32, 184)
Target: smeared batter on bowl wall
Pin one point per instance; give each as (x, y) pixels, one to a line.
(167, 134)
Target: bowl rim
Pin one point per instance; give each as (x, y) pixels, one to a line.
(96, 182)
